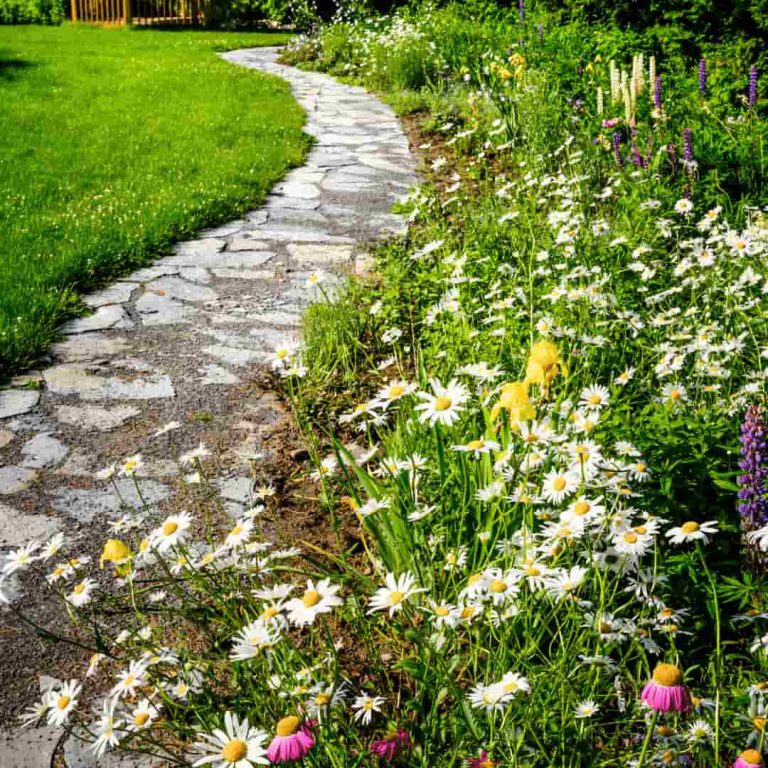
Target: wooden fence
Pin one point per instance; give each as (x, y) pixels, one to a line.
(138, 12)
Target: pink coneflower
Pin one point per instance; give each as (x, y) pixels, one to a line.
(481, 762)
(749, 758)
(392, 745)
(666, 691)
(293, 739)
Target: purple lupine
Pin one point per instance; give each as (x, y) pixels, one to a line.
(617, 148)
(688, 145)
(637, 157)
(657, 93)
(521, 8)
(753, 484)
(752, 96)
(703, 77)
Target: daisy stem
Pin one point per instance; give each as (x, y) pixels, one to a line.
(718, 651)
(647, 740)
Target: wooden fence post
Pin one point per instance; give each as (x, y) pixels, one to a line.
(127, 13)
(73, 6)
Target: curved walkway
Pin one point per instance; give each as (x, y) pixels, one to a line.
(180, 340)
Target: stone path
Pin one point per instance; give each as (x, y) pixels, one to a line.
(180, 340)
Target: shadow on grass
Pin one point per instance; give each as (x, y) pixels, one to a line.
(12, 69)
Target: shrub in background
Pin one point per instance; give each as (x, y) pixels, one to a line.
(31, 12)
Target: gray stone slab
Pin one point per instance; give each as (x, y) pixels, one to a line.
(177, 288)
(97, 417)
(77, 380)
(42, 451)
(78, 755)
(302, 234)
(17, 528)
(152, 273)
(15, 479)
(30, 748)
(321, 254)
(88, 505)
(109, 316)
(246, 242)
(236, 489)
(277, 317)
(14, 402)
(196, 274)
(216, 374)
(159, 309)
(89, 346)
(118, 293)
(298, 190)
(236, 356)
(244, 274)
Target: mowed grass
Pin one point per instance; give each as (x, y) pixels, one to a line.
(114, 144)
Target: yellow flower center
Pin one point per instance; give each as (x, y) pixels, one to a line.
(169, 528)
(236, 531)
(559, 483)
(271, 612)
(473, 579)
(130, 465)
(595, 399)
(690, 527)
(630, 538)
(63, 702)
(498, 586)
(443, 403)
(129, 680)
(641, 529)
(532, 570)
(751, 756)
(396, 597)
(580, 508)
(475, 445)
(667, 613)
(234, 751)
(80, 588)
(288, 726)
(143, 544)
(667, 675)
(640, 467)
(512, 686)
(441, 610)
(322, 699)
(468, 612)
(665, 731)
(311, 598)
(396, 391)
(759, 723)
(675, 394)
(140, 718)
(281, 354)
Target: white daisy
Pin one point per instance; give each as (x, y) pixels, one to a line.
(61, 702)
(444, 404)
(365, 705)
(692, 531)
(392, 596)
(317, 598)
(237, 746)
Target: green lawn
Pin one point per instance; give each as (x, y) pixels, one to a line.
(114, 144)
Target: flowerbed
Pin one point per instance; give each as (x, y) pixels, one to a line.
(532, 412)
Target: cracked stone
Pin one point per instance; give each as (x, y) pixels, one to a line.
(151, 273)
(17, 401)
(245, 243)
(43, 450)
(95, 416)
(177, 288)
(15, 479)
(86, 505)
(159, 310)
(76, 380)
(303, 234)
(108, 316)
(118, 293)
(298, 190)
(196, 274)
